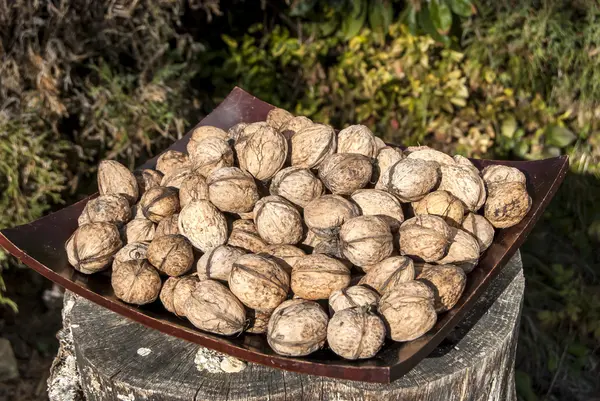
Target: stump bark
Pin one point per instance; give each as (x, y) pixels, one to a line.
(104, 356)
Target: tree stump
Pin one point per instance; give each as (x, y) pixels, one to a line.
(104, 356)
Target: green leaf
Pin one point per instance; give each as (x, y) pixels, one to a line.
(409, 17)
(509, 126)
(302, 8)
(559, 136)
(329, 26)
(381, 13)
(524, 386)
(462, 7)
(441, 16)
(354, 20)
(426, 24)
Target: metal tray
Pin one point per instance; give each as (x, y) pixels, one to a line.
(40, 245)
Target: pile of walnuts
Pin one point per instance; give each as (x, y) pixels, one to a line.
(254, 228)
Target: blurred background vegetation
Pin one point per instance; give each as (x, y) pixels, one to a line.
(82, 80)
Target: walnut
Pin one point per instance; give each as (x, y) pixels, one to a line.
(258, 321)
(295, 124)
(296, 184)
(92, 247)
(508, 203)
(355, 296)
(285, 255)
(261, 152)
(232, 190)
(139, 230)
(182, 292)
(374, 202)
(146, 179)
(429, 154)
(167, 291)
(480, 228)
(357, 139)
(465, 184)
(175, 178)
(131, 251)
(408, 311)
(297, 328)
(167, 226)
(463, 161)
(172, 160)
(236, 131)
(355, 333)
(386, 158)
(443, 204)
(447, 282)
(325, 215)
(217, 263)
(136, 282)
(209, 155)
(277, 118)
(344, 173)
(388, 273)
(108, 208)
(498, 174)
(259, 282)
(212, 307)
(330, 246)
(194, 187)
(206, 131)
(463, 250)
(159, 202)
(278, 221)
(411, 179)
(317, 276)
(311, 145)
(203, 225)
(366, 240)
(116, 179)
(171, 254)
(244, 235)
(425, 237)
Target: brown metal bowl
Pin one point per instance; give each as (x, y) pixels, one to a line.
(40, 245)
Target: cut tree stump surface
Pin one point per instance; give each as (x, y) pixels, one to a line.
(105, 356)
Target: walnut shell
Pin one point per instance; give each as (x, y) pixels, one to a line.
(92, 247)
(351, 297)
(212, 307)
(366, 240)
(447, 282)
(147, 178)
(259, 282)
(357, 139)
(232, 190)
(166, 293)
(206, 131)
(386, 158)
(481, 229)
(277, 117)
(159, 202)
(298, 185)
(330, 246)
(108, 208)
(116, 179)
(172, 160)
(296, 124)
(463, 161)
(193, 187)
(136, 282)
(209, 155)
(171, 254)
(465, 184)
(278, 221)
(355, 333)
(442, 204)
(374, 202)
(285, 255)
(388, 273)
(258, 321)
(182, 292)
(498, 174)
(425, 237)
(317, 276)
(429, 154)
(176, 177)
(244, 235)
(411, 179)
(325, 215)
(217, 263)
(344, 173)
(508, 203)
(203, 225)
(297, 328)
(310, 145)
(463, 250)
(236, 131)
(131, 251)
(139, 230)
(261, 152)
(408, 311)
(167, 226)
